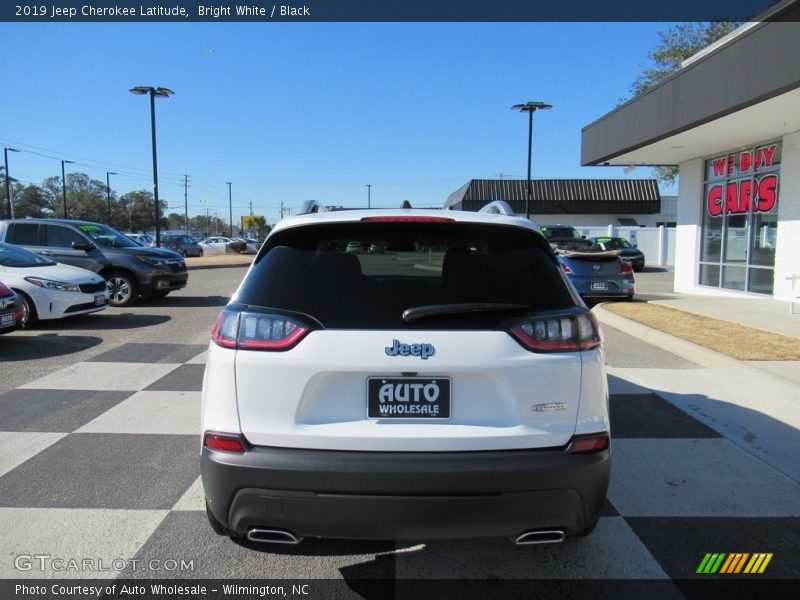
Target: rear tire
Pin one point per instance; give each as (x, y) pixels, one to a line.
(122, 289)
(29, 315)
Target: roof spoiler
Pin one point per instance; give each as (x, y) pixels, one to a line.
(311, 206)
(498, 207)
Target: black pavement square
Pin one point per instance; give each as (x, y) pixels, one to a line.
(608, 510)
(186, 378)
(101, 470)
(187, 536)
(650, 416)
(151, 353)
(680, 544)
(54, 410)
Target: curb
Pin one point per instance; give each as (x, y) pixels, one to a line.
(688, 350)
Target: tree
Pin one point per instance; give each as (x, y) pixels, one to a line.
(31, 201)
(138, 206)
(677, 44)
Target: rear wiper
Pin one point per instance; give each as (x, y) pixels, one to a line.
(441, 310)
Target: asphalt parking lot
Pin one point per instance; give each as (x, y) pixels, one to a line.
(100, 417)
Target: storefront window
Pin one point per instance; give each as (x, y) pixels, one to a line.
(740, 219)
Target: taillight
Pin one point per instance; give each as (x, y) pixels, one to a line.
(409, 219)
(224, 443)
(627, 269)
(567, 270)
(592, 443)
(247, 330)
(559, 333)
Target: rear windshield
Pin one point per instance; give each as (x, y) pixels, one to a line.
(333, 273)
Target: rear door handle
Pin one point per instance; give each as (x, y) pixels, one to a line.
(46, 253)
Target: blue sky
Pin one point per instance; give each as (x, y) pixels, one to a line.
(288, 112)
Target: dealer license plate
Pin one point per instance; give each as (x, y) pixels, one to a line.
(599, 285)
(7, 320)
(408, 397)
(99, 299)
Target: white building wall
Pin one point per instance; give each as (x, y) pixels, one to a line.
(787, 251)
(687, 236)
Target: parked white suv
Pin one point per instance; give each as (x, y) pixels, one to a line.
(450, 387)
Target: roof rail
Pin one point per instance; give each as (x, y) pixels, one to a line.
(311, 206)
(498, 207)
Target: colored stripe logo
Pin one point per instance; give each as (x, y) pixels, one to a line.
(734, 563)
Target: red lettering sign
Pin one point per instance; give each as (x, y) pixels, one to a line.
(765, 156)
(719, 166)
(714, 200)
(731, 160)
(745, 161)
(741, 197)
(745, 195)
(767, 195)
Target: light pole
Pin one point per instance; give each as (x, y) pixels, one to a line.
(108, 193)
(230, 209)
(154, 92)
(64, 186)
(530, 108)
(8, 182)
(369, 195)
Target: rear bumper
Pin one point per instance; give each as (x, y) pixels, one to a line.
(405, 495)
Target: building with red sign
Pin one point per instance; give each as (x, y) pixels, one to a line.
(730, 119)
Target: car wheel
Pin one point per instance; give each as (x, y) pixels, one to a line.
(183, 253)
(29, 315)
(121, 288)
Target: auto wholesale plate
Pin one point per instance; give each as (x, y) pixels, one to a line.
(408, 397)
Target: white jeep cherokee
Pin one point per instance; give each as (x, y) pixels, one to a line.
(450, 387)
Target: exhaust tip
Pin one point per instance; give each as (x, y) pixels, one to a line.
(272, 536)
(542, 536)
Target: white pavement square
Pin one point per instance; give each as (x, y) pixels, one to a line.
(193, 499)
(19, 447)
(151, 412)
(110, 376)
(64, 534)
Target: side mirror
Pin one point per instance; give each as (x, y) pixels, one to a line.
(81, 245)
(583, 237)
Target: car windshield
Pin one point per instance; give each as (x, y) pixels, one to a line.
(456, 275)
(614, 243)
(105, 236)
(16, 257)
(560, 233)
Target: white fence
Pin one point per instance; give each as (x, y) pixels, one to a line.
(657, 243)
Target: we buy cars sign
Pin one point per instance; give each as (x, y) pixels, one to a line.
(756, 194)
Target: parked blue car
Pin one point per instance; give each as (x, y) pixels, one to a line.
(596, 273)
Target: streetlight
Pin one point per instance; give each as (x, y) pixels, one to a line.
(8, 182)
(64, 185)
(230, 208)
(154, 92)
(108, 192)
(530, 108)
(369, 195)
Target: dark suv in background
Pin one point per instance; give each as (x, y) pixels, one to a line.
(130, 270)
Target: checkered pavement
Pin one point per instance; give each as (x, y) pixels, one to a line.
(100, 460)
